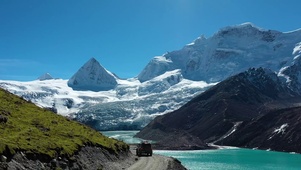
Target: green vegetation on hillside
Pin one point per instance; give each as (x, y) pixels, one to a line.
(33, 130)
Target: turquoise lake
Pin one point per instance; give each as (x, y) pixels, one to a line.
(228, 158)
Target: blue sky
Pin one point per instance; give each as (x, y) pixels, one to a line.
(59, 36)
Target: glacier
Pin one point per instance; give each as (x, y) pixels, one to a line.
(130, 105)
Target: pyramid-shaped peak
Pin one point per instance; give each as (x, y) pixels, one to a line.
(92, 76)
(45, 76)
(91, 63)
(93, 60)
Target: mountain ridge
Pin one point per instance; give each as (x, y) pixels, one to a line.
(229, 51)
(169, 81)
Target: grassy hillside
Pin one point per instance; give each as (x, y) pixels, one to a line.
(33, 130)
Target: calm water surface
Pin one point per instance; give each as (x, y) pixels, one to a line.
(227, 158)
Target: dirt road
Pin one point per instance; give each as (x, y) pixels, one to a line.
(155, 162)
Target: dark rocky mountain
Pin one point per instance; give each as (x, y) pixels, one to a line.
(236, 102)
(279, 130)
(293, 72)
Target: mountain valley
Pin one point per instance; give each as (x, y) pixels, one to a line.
(102, 100)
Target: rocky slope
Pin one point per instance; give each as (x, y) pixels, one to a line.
(278, 129)
(218, 113)
(87, 158)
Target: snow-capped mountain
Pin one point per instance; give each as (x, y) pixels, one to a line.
(231, 50)
(45, 76)
(136, 104)
(92, 76)
(97, 97)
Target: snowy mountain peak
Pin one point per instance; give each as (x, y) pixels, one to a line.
(92, 60)
(241, 27)
(45, 76)
(246, 25)
(248, 30)
(231, 50)
(157, 66)
(92, 76)
(199, 40)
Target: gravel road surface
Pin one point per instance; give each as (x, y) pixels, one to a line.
(155, 162)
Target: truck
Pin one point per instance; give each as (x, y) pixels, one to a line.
(144, 148)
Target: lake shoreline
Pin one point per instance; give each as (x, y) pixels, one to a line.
(131, 140)
(222, 157)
